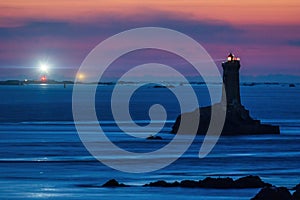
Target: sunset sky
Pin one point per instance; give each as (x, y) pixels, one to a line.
(265, 34)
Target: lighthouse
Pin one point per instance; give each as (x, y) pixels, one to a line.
(238, 120)
(231, 81)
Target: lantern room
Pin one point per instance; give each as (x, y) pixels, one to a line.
(231, 57)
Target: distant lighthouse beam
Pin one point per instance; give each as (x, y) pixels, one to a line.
(44, 67)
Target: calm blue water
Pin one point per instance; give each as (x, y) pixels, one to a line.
(41, 155)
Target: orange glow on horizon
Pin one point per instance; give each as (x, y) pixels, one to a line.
(235, 12)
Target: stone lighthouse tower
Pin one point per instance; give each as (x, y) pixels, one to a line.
(231, 81)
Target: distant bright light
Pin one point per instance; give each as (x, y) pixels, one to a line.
(43, 79)
(44, 67)
(80, 76)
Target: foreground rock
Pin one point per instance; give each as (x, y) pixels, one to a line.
(251, 182)
(114, 183)
(273, 193)
(154, 137)
(216, 183)
(297, 187)
(296, 194)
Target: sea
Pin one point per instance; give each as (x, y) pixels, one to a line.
(42, 156)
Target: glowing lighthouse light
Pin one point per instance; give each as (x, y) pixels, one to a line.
(44, 71)
(44, 67)
(43, 78)
(231, 57)
(80, 76)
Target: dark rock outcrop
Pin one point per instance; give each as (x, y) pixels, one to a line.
(237, 122)
(154, 137)
(292, 85)
(216, 183)
(297, 187)
(296, 194)
(162, 183)
(273, 193)
(114, 183)
(251, 182)
(190, 184)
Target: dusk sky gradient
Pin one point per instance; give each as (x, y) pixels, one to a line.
(265, 34)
